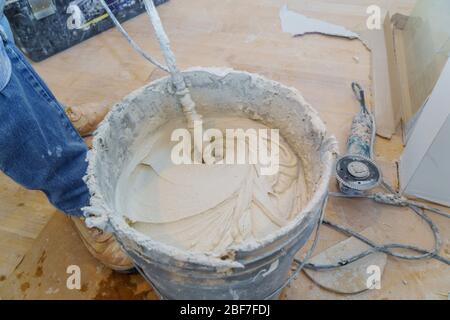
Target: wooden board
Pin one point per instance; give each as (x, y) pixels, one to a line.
(23, 215)
(245, 35)
(422, 47)
(43, 272)
(386, 94)
(352, 278)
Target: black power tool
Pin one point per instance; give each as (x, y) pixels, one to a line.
(356, 172)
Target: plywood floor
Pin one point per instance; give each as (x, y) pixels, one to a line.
(244, 35)
(23, 215)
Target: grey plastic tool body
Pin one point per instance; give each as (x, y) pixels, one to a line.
(356, 172)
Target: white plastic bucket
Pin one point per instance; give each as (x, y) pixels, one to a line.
(248, 271)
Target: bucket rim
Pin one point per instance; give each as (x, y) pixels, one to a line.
(98, 214)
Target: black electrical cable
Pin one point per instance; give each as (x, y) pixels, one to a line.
(308, 254)
(374, 247)
(386, 248)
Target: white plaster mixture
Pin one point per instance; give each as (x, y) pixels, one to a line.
(208, 208)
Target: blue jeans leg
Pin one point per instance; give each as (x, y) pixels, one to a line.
(39, 147)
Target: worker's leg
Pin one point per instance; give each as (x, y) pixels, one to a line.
(39, 147)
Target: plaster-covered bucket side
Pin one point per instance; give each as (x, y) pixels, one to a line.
(155, 104)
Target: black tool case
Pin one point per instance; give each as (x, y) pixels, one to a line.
(43, 28)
